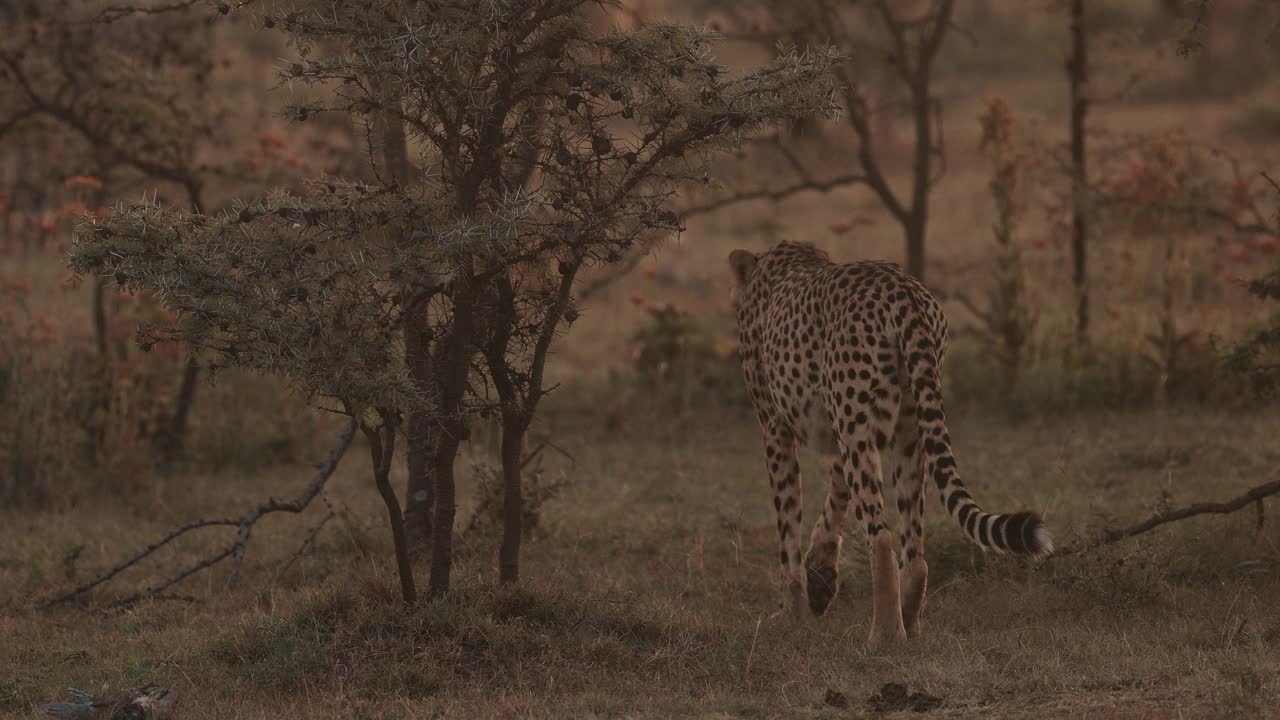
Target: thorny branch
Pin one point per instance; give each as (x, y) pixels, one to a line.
(612, 274)
(235, 548)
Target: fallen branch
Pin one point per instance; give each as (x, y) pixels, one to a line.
(236, 548)
(1255, 495)
(309, 541)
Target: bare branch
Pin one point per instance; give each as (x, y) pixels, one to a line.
(822, 186)
(1270, 180)
(616, 272)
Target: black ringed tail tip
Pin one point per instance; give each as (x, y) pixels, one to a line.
(1023, 533)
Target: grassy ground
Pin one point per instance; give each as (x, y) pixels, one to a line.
(647, 591)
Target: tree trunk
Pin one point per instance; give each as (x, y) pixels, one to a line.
(173, 436)
(381, 453)
(513, 432)
(420, 489)
(102, 338)
(453, 364)
(446, 452)
(1077, 70)
(96, 199)
(420, 492)
(100, 315)
(915, 230)
(395, 149)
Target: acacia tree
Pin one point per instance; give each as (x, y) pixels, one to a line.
(548, 149)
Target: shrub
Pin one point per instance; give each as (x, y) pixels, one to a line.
(538, 489)
(679, 364)
(80, 420)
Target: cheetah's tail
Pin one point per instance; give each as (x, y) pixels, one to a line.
(1021, 533)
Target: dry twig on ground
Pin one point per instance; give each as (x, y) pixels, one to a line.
(1254, 495)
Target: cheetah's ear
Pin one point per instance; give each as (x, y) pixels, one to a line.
(742, 263)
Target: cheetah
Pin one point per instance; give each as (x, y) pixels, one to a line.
(845, 358)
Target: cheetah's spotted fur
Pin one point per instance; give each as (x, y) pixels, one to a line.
(846, 358)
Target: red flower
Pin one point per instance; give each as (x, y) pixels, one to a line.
(17, 286)
(270, 139)
(1240, 193)
(81, 180)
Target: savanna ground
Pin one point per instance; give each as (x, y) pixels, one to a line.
(648, 589)
(649, 583)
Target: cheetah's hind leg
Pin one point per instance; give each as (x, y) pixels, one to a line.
(822, 562)
(908, 477)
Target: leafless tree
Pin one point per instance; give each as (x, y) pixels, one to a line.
(906, 42)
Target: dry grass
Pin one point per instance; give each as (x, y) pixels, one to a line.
(648, 591)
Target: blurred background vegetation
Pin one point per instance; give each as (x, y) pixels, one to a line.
(182, 108)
